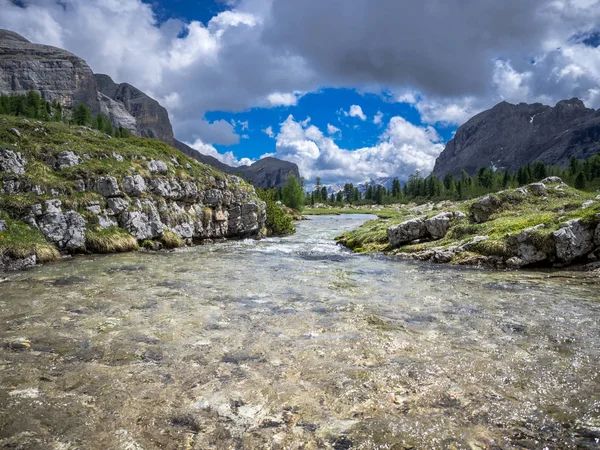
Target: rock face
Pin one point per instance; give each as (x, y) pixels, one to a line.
(511, 136)
(65, 229)
(55, 73)
(150, 118)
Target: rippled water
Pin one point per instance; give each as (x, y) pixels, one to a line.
(295, 343)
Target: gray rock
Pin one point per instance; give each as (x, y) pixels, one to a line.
(144, 224)
(406, 232)
(15, 132)
(484, 208)
(66, 230)
(587, 204)
(80, 186)
(157, 166)
(439, 225)
(9, 264)
(597, 232)
(213, 197)
(553, 180)
(3, 225)
(538, 189)
(108, 187)
(12, 162)
(163, 187)
(134, 186)
(522, 191)
(117, 113)
(106, 221)
(117, 205)
(52, 206)
(94, 208)
(67, 159)
(524, 246)
(573, 240)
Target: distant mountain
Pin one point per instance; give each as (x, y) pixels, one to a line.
(511, 136)
(60, 75)
(385, 182)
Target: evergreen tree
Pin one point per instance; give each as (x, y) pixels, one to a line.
(580, 181)
(82, 115)
(291, 194)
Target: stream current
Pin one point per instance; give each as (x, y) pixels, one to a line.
(290, 343)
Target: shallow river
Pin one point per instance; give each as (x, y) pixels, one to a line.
(295, 343)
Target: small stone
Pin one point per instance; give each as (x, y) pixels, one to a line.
(67, 159)
(157, 166)
(15, 132)
(587, 204)
(3, 225)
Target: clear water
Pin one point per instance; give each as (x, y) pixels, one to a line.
(296, 343)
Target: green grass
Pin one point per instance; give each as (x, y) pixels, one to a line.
(171, 240)
(20, 241)
(110, 240)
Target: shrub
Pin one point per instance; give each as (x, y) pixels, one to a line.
(278, 222)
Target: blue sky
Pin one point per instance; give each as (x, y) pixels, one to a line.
(385, 84)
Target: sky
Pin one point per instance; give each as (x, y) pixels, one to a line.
(348, 90)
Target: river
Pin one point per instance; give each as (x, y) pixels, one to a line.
(295, 343)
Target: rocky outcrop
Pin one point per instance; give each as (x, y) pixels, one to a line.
(149, 117)
(483, 209)
(512, 136)
(12, 162)
(415, 229)
(64, 229)
(438, 226)
(55, 73)
(574, 240)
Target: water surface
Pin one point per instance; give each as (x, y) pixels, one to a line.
(295, 343)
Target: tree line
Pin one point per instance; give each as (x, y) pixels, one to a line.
(581, 174)
(33, 106)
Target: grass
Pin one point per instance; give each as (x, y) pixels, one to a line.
(171, 240)
(517, 214)
(20, 241)
(110, 240)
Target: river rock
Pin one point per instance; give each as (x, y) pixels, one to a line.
(66, 230)
(573, 240)
(108, 187)
(134, 186)
(406, 232)
(524, 246)
(12, 162)
(67, 159)
(538, 189)
(157, 166)
(439, 225)
(484, 208)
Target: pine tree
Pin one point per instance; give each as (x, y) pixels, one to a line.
(82, 115)
(580, 181)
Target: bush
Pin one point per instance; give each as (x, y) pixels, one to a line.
(278, 222)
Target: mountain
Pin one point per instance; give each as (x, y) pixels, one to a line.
(510, 136)
(60, 75)
(385, 182)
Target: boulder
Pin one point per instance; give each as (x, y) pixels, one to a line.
(525, 248)
(12, 162)
(408, 231)
(213, 197)
(157, 166)
(538, 189)
(439, 225)
(484, 208)
(108, 187)
(65, 229)
(574, 240)
(552, 180)
(67, 159)
(134, 186)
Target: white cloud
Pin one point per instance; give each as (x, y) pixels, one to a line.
(378, 119)
(269, 131)
(403, 148)
(226, 158)
(282, 99)
(332, 130)
(356, 111)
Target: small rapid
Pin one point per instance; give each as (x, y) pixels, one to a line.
(296, 342)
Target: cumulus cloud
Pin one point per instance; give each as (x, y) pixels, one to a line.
(269, 132)
(333, 130)
(226, 158)
(356, 111)
(378, 119)
(403, 148)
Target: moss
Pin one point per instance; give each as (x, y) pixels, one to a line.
(171, 240)
(19, 241)
(110, 240)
